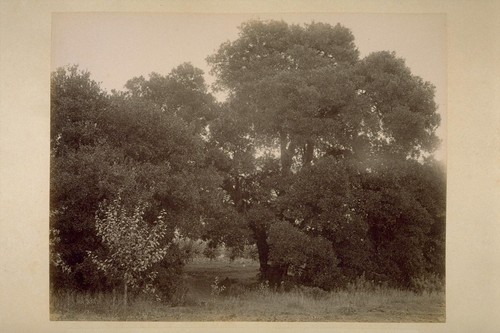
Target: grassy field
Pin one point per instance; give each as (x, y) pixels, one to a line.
(244, 299)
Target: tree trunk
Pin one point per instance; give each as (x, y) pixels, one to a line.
(260, 236)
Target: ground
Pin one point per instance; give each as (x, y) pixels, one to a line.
(238, 296)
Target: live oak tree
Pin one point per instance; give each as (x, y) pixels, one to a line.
(105, 144)
(303, 94)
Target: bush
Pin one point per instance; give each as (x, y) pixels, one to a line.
(308, 260)
(321, 268)
(427, 283)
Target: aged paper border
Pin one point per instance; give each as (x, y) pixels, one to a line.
(473, 228)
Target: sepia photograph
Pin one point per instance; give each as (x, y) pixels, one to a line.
(285, 167)
(252, 166)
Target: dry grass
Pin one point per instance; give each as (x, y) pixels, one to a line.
(246, 300)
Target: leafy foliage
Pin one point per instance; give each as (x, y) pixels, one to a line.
(403, 103)
(326, 120)
(319, 159)
(309, 260)
(182, 93)
(131, 245)
(322, 201)
(138, 150)
(404, 205)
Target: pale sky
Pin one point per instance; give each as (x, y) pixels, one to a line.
(116, 47)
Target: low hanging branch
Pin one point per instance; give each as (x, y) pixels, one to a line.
(132, 246)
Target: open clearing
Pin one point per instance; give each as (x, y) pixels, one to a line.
(244, 299)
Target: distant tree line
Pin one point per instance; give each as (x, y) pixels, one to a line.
(321, 159)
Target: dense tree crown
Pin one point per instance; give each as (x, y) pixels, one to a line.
(306, 88)
(320, 158)
(104, 146)
(331, 123)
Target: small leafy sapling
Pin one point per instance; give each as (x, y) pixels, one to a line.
(132, 245)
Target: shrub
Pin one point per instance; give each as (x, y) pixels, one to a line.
(309, 260)
(427, 283)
